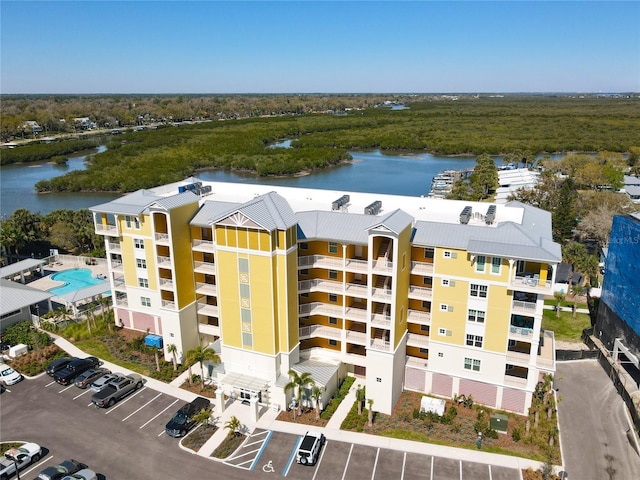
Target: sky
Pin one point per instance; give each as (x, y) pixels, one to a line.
(75, 47)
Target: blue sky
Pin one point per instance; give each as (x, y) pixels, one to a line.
(332, 47)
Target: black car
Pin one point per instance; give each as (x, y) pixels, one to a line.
(67, 467)
(182, 421)
(68, 374)
(87, 377)
(58, 364)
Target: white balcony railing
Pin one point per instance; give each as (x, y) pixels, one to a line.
(203, 245)
(416, 362)
(418, 317)
(206, 309)
(530, 283)
(421, 268)
(168, 304)
(164, 261)
(381, 293)
(515, 381)
(162, 238)
(381, 321)
(206, 288)
(206, 329)
(357, 338)
(167, 283)
(110, 230)
(380, 344)
(518, 357)
(122, 302)
(118, 282)
(320, 285)
(205, 267)
(417, 340)
(115, 247)
(116, 266)
(382, 266)
(520, 333)
(320, 331)
(333, 263)
(420, 293)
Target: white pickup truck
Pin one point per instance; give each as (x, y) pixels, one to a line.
(23, 456)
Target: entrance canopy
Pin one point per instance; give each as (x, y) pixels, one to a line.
(245, 382)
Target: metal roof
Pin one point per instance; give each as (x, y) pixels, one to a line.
(245, 382)
(271, 211)
(321, 372)
(83, 293)
(21, 266)
(212, 211)
(131, 204)
(174, 201)
(15, 296)
(396, 221)
(336, 226)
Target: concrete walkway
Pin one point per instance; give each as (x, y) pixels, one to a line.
(267, 421)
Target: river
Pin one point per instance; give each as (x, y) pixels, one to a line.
(407, 174)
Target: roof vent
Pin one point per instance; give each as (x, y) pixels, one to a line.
(341, 202)
(490, 217)
(465, 215)
(374, 208)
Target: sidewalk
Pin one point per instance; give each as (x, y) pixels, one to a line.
(267, 421)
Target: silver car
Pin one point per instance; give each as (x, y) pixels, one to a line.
(84, 474)
(104, 380)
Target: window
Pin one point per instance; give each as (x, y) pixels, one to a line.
(305, 295)
(304, 271)
(426, 305)
(141, 263)
(476, 316)
(143, 282)
(333, 247)
(333, 274)
(444, 307)
(424, 328)
(474, 341)
(472, 364)
(138, 243)
(333, 343)
(428, 253)
(428, 281)
(333, 321)
(304, 246)
(132, 220)
(478, 290)
(145, 301)
(480, 261)
(333, 298)
(424, 351)
(496, 262)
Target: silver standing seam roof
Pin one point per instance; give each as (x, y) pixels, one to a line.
(321, 372)
(15, 296)
(21, 266)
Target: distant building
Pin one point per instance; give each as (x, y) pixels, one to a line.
(618, 318)
(84, 123)
(32, 126)
(510, 180)
(632, 187)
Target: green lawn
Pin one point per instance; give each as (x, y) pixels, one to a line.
(98, 349)
(566, 327)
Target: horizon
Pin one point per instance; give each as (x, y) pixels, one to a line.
(269, 47)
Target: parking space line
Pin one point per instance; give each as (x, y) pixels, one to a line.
(124, 401)
(404, 461)
(67, 388)
(291, 457)
(460, 469)
(347, 464)
(132, 414)
(84, 392)
(375, 464)
(161, 433)
(49, 384)
(36, 465)
(264, 445)
(490, 477)
(320, 460)
(147, 423)
(431, 476)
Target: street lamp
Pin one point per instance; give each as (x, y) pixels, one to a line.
(15, 463)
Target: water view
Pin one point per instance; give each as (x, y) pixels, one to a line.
(376, 172)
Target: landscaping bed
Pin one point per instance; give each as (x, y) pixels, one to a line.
(198, 437)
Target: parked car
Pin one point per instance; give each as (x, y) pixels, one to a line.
(116, 390)
(24, 455)
(84, 474)
(105, 379)
(68, 374)
(309, 448)
(182, 421)
(58, 364)
(8, 375)
(87, 377)
(65, 468)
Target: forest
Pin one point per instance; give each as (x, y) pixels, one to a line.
(172, 151)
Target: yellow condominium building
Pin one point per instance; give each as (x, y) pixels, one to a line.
(438, 296)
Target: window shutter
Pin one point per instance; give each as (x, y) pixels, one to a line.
(454, 255)
(450, 308)
(452, 283)
(448, 333)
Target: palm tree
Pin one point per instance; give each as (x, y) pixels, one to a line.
(559, 296)
(233, 425)
(571, 254)
(370, 402)
(297, 383)
(200, 355)
(63, 314)
(577, 290)
(202, 417)
(316, 394)
(360, 397)
(172, 349)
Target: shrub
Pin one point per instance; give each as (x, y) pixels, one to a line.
(516, 434)
(35, 362)
(491, 433)
(337, 397)
(25, 333)
(353, 421)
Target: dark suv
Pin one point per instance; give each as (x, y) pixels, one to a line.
(182, 421)
(68, 374)
(58, 364)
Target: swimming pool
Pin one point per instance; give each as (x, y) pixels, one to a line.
(74, 279)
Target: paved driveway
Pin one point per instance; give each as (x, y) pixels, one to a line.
(593, 424)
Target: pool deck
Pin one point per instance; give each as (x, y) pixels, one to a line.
(46, 283)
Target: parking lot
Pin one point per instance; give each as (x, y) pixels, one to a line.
(128, 441)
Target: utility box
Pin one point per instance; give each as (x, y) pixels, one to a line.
(430, 404)
(17, 350)
(153, 341)
(499, 422)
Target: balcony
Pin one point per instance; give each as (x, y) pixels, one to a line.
(169, 304)
(206, 329)
(417, 340)
(515, 381)
(333, 263)
(530, 283)
(163, 262)
(167, 284)
(523, 308)
(520, 333)
(318, 308)
(115, 247)
(328, 286)
(381, 321)
(421, 268)
(109, 230)
(518, 358)
(206, 309)
(383, 294)
(162, 239)
(205, 246)
(416, 362)
(384, 266)
(321, 331)
(418, 317)
(118, 283)
(547, 357)
(357, 338)
(380, 344)
(204, 267)
(116, 266)
(206, 289)
(420, 293)
(122, 302)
